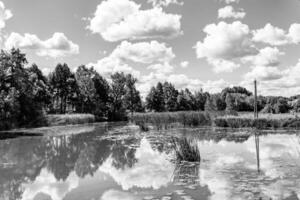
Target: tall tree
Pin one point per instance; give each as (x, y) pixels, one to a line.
(62, 83)
(170, 97)
(132, 98)
(155, 98)
(18, 105)
(117, 93)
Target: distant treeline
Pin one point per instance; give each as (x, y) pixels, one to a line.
(26, 95)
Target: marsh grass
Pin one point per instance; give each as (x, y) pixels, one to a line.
(265, 121)
(69, 119)
(169, 119)
(186, 149)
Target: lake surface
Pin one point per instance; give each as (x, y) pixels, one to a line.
(119, 162)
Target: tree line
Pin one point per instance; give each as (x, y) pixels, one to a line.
(26, 94)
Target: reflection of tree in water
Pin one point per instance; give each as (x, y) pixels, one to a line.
(18, 165)
(23, 159)
(123, 154)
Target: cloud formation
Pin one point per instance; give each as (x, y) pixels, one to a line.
(56, 46)
(144, 52)
(229, 12)
(268, 56)
(5, 14)
(276, 36)
(117, 20)
(225, 42)
(157, 55)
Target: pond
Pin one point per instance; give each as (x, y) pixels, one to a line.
(119, 162)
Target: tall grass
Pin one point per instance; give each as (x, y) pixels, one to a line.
(68, 119)
(167, 119)
(265, 121)
(186, 149)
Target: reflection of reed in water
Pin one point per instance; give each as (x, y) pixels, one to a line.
(187, 154)
(186, 173)
(186, 149)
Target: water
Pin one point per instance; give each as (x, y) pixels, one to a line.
(118, 162)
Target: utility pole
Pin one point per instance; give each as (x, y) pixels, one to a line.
(255, 100)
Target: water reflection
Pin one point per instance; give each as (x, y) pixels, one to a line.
(112, 163)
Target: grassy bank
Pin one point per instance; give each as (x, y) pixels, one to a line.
(69, 119)
(168, 119)
(265, 121)
(224, 120)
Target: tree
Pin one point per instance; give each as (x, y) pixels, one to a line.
(155, 98)
(41, 90)
(18, 103)
(209, 105)
(170, 97)
(132, 98)
(87, 90)
(63, 85)
(200, 99)
(230, 106)
(102, 96)
(117, 93)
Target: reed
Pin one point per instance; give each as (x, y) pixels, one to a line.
(263, 122)
(54, 120)
(167, 119)
(186, 150)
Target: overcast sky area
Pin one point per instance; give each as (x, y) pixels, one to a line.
(208, 44)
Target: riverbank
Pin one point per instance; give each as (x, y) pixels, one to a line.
(215, 119)
(264, 121)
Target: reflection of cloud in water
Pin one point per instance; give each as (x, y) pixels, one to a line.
(47, 184)
(152, 170)
(218, 184)
(279, 162)
(118, 195)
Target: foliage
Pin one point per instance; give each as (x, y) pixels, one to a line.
(21, 100)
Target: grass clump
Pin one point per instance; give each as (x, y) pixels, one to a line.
(167, 119)
(186, 150)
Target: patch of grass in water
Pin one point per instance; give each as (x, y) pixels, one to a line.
(186, 149)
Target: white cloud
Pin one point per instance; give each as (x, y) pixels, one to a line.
(46, 183)
(264, 73)
(184, 64)
(5, 14)
(229, 12)
(56, 46)
(225, 42)
(294, 33)
(276, 36)
(267, 56)
(222, 65)
(117, 20)
(165, 3)
(110, 65)
(144, 52)
(163, 68)
(274, 81)
(154, 53)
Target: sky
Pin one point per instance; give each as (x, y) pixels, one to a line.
(198, 44)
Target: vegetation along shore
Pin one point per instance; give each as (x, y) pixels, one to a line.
(28, 98)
